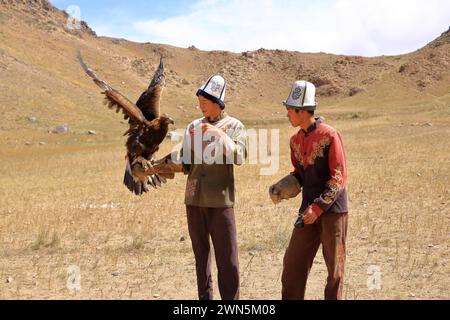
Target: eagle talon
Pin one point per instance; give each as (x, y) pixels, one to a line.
(142, 169)
(143, 163)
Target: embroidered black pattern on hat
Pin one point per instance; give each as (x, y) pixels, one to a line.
(297, 93)
(215, 86)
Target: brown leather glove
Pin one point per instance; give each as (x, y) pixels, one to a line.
(286, 188)
(155, 172)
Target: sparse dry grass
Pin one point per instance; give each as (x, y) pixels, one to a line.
(64, 205)
(62, 202)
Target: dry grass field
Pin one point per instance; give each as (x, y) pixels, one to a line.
(65, 205)
(62, 201)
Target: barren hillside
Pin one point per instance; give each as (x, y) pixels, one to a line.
(62, 202)
(40, 76)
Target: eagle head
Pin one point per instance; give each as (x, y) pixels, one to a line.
(166, 120)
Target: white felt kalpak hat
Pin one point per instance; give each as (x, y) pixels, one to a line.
(302, 96)
(214, 90)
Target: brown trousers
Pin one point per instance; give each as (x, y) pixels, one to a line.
(330, 230)
(219, 223)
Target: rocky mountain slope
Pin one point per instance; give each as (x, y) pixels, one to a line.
(39, 74)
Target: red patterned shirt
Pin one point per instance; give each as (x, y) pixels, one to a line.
(318, 157)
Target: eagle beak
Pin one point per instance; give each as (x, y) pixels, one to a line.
(171, 121)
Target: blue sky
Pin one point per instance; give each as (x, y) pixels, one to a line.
(102, 10)
(354, 27)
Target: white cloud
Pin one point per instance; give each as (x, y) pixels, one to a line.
(360, 27)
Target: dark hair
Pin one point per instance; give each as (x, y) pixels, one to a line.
(311, 112)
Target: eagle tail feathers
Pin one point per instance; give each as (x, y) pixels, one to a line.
(136, 187)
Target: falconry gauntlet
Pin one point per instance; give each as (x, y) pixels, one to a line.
(286, 188)
(164, 167)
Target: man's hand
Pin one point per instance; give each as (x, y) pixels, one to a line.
(209, 127)
(309, 217)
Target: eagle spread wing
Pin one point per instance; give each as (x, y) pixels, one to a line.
(149, 101)
(147, 127)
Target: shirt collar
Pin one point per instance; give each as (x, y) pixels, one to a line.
(313, 126)
(221, 116)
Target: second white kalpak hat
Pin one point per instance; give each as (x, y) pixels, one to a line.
(302, 96)
(214, 90)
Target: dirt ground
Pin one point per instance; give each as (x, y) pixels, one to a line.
(65, 205)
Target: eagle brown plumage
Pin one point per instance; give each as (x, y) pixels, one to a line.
(147, 127)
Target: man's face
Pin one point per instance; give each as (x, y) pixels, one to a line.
(295, 118)
(208, 108)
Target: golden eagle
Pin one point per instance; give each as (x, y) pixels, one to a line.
(147, 127)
